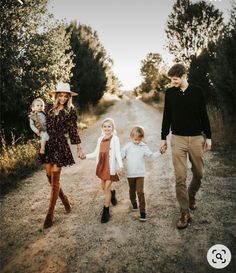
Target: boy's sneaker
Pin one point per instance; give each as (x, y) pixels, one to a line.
(142, 217)
(134, 207)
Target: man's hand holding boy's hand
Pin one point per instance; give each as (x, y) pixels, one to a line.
(83, 156)
(163, 146)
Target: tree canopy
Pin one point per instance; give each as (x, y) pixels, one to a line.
(154, 77)
(88, 74)
(191, 26)
(35, 55)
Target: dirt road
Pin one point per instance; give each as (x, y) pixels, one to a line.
(79, 243)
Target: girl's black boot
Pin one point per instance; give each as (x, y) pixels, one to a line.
(105, 215)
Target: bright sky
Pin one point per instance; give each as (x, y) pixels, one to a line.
(128, 29)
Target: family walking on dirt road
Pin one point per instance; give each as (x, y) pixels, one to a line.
(185, 115)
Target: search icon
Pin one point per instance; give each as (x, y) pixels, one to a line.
(219, 256)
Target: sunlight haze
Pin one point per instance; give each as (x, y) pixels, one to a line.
(128, 29)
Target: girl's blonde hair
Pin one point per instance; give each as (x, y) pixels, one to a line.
(137, 131)
(35, 100)
(68, 105)
(111, 120)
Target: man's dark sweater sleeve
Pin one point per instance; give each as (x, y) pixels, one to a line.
(204, 118)
(166, 118)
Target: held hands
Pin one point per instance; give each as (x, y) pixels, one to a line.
(80, 153)
(82, 156)
(163, 146)
(207, 145)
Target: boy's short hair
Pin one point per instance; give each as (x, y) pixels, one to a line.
(137, 131)
(177, 70)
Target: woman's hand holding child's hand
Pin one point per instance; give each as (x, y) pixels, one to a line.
(82, 157)
(80, 152)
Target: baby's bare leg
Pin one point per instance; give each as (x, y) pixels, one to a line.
(42, 146)
(43, 139)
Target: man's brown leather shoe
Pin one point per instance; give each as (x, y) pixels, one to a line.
(184, 220)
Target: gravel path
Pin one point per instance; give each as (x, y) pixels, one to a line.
(79, 243)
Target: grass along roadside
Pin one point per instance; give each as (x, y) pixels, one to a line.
(19, 160)
(92, 113)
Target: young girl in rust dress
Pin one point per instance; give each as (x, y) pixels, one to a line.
(109, 162)
(61, 121)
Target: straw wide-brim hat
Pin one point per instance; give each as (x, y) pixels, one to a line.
(63, 87)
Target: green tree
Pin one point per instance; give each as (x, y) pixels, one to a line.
(35, 55)
(113, 84)
(199, 73)
(154, 76)
(191, 27)
(150, 71)
(150, 65)
(89, 72)
(223, 68)
(223, 75)
(214, 70)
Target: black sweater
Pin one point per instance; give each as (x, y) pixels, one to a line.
(185, 113)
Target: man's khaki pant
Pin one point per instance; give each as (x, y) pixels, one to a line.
(181, 147)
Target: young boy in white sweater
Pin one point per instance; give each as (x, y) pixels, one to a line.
(135, 151)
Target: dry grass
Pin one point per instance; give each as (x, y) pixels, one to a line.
(16, 162)
(92, 113)
(223, 131)
(151, 100)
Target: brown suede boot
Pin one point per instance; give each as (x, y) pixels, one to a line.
(65, 201)
(184, 220)
(55, 189)
(48, 221)
(63, 197)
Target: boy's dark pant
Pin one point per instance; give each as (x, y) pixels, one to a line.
(136, 184)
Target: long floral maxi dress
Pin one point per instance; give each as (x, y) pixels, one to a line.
(57, 150)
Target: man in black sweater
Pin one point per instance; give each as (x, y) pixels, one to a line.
(186, 115)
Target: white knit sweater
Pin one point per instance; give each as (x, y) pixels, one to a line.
(135, 156)
(115, 161)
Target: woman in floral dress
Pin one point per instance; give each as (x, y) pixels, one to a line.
(61, 123)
